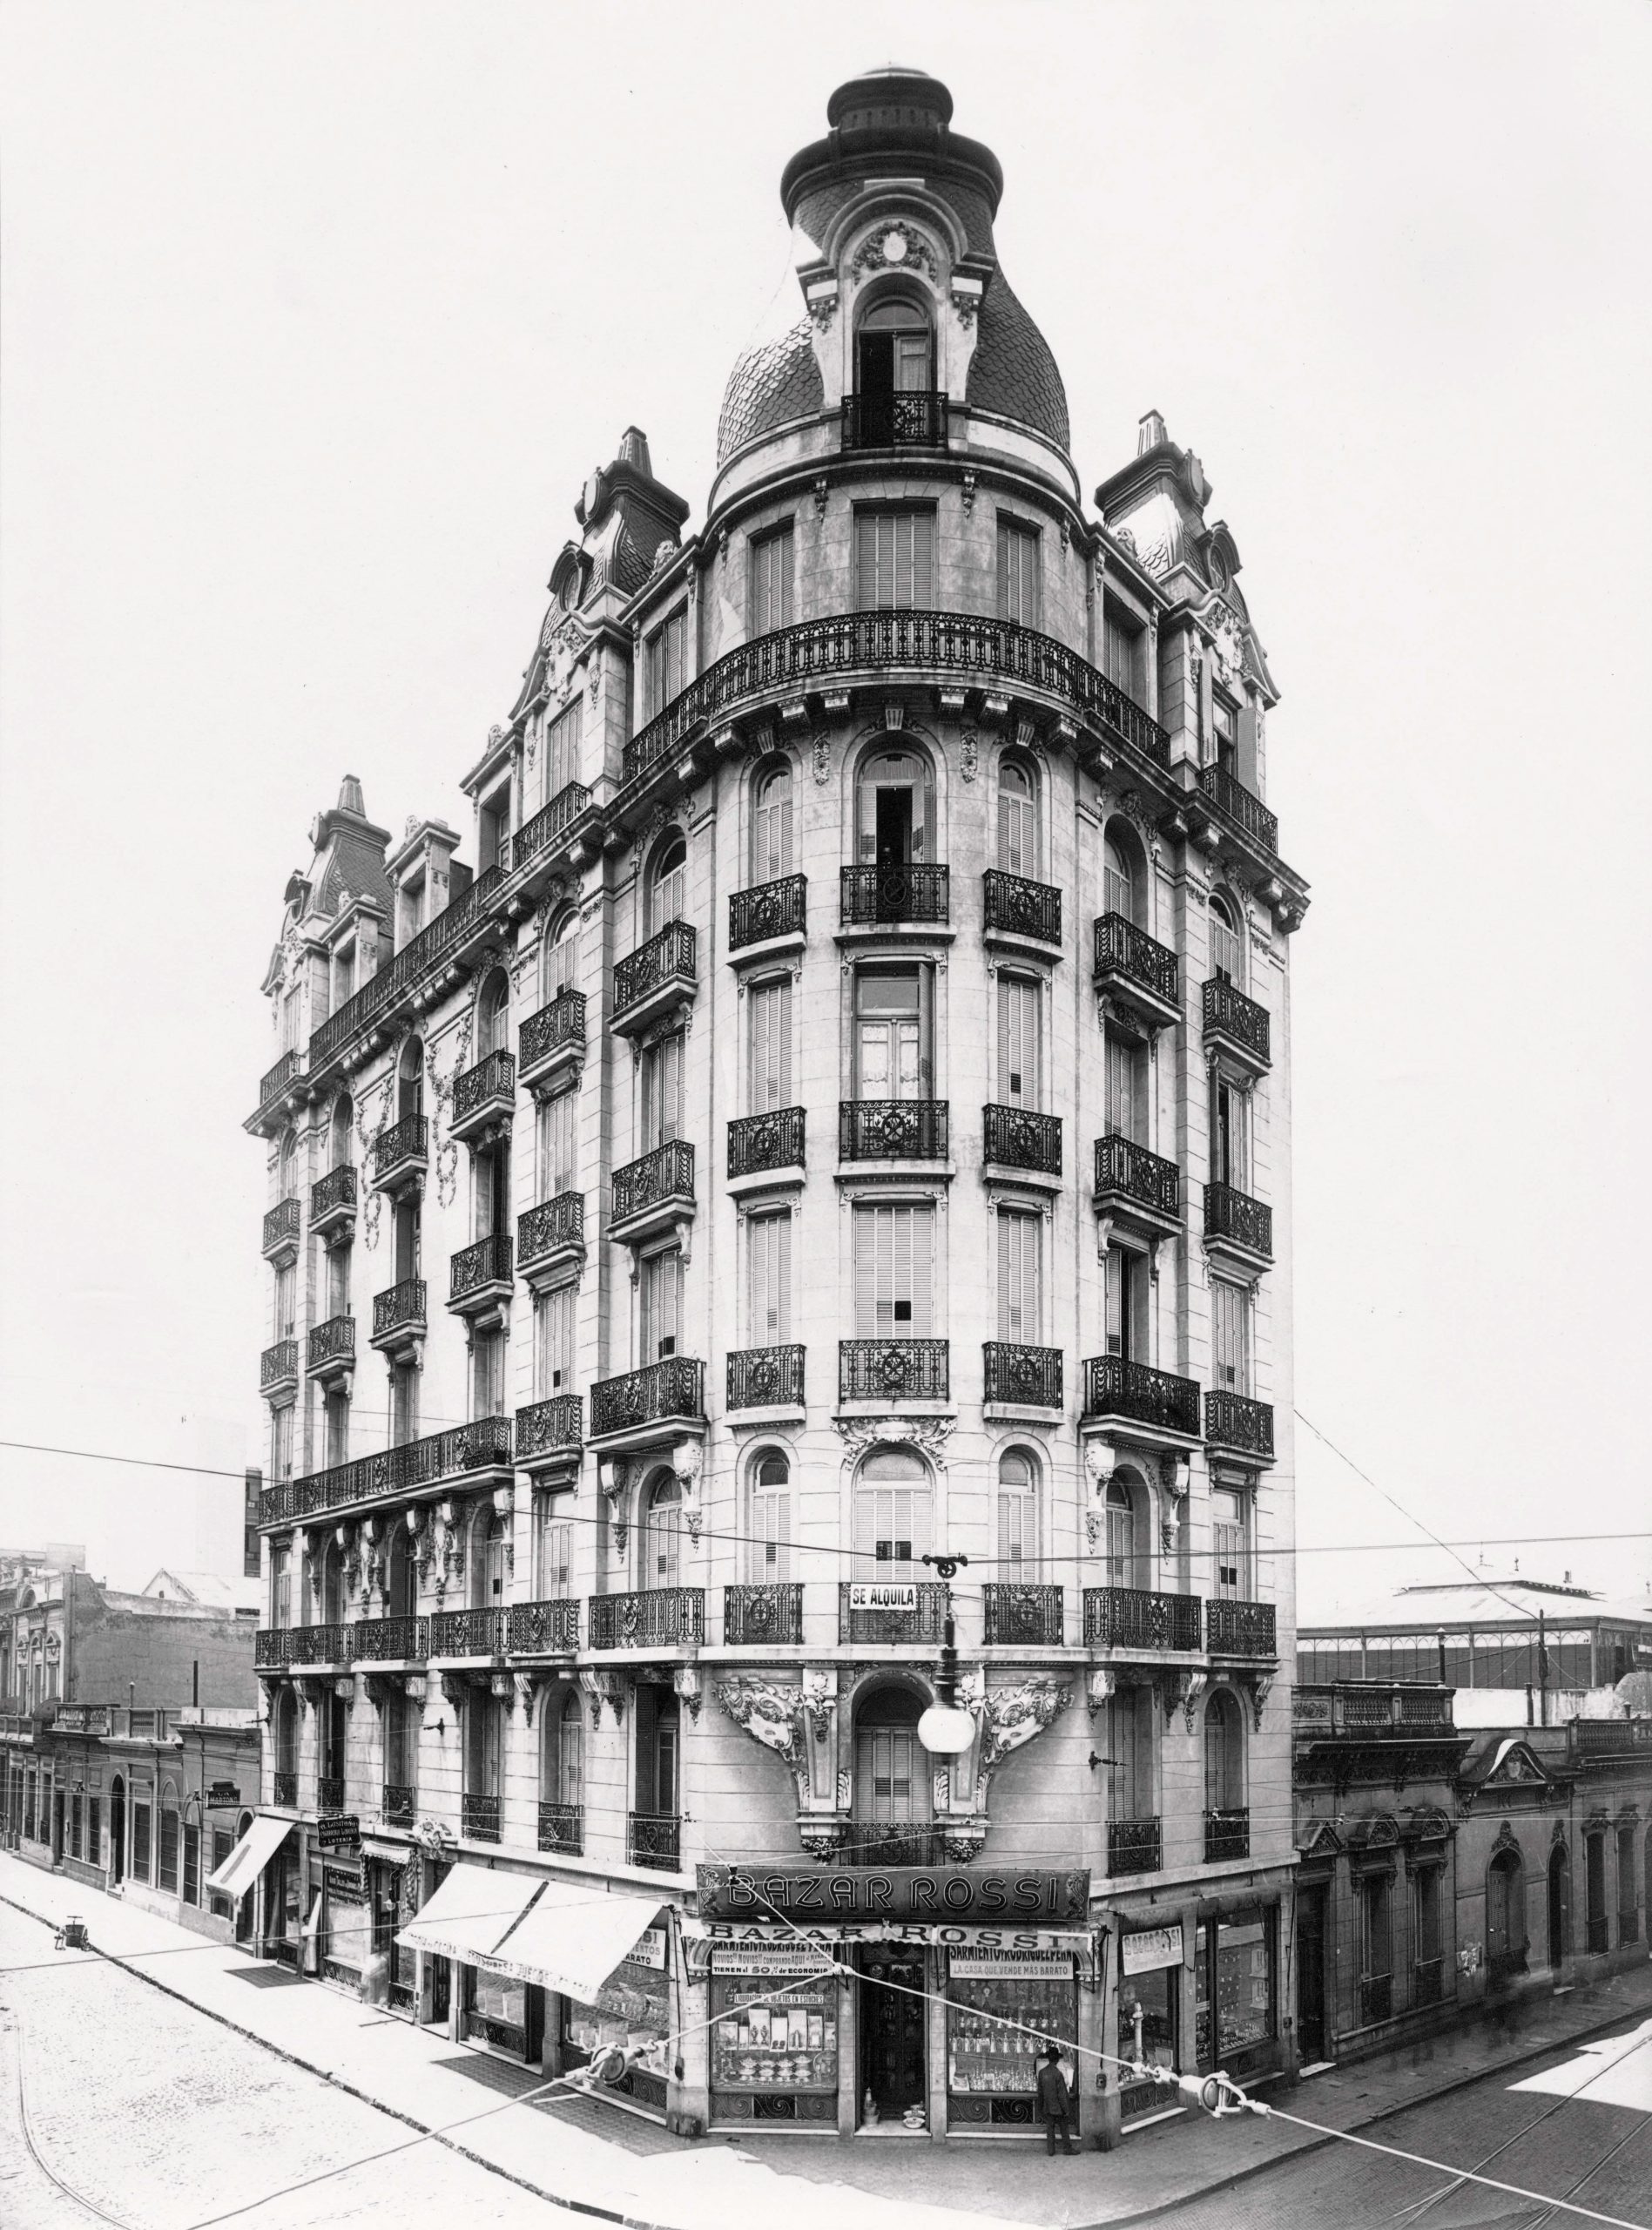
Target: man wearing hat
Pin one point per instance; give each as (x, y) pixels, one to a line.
(1055, 2102)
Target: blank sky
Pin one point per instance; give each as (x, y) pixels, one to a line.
(316, 317)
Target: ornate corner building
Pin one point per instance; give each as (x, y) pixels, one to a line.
(840, 1117)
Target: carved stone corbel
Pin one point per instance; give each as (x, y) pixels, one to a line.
(685, 1683)
(504, 1503)
(1175, 1470)
(772, 1715)
(820, 1730)
(455, 1690)
(1260, 1684)
(1006, 1718)
(687, 1459)
(600, 1686)
(1101, 1688)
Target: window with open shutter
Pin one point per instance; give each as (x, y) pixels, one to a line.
(893, 1255)
(1020, 1041)
(1229, 1159)
(1125, 1298)
(769, 1025)
(895, 560)
(1122, 654)
(1021, 1276)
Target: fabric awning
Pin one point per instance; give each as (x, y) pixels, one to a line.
(572, 1938)
(469, 1914)
(249, 1858)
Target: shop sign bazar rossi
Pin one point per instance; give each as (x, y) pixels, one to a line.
(870, 1899)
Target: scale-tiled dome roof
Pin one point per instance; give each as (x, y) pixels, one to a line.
(770, 385)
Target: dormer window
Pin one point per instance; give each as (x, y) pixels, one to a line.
(411, 903)
(1225, 726)
(493, 832)
(667, 661)
(895, 376)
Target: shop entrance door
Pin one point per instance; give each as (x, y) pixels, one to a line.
(1311, 1975)
(117, 1833)
(893, 2066)
(440, 1992)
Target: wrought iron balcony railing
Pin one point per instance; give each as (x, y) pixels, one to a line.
(1019, 1138)
(925, 1622)
(892, 1370)
(548, 1629)
(491, 1079)
(761, 1378)
(402, 1144)
(1236, 1421)
(1234, 803)
(985, 653)
(561, 1022)
(282, 1226)
(1024, 909)
(479, 1817)
(647, 1618)
(1227, 1835)
(1140, 1618)
(478, 1632)
(1122, 950)
(486, 1263)
(763, 1611)
(882, 1842)
(1133, 1846)
(894, 892)
(334, 1194)
(914, 418)
(1017, 1611)
(1031, 1376)
(329, 1792)
(1230, 1214)
(272, 1650)
(768, 910)
(391, 1641)
(892, 1129)
(666, 959)
(547, 1425)
(561, 1829)
(1125, 1170)
(1115, 1387)
(284, 1788)
(567, 806)
(274, 1082)
(671, 1388)
(418, 958)
(549, 1227)
(278, 1363)
(333, 1341)
(482, 1446)
(1228, 1013)
(772, 1141)
(656, 1839)
(1233, 1628)
(399, 1307)
(399, 1802)
(667, 1174)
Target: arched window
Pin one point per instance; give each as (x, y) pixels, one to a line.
(1506, 1913)
(1121, 876)
(661, 1549)
(771, 822)
(487, 1561)
(341, 1132)
(1227, 952)
(895, 356)
(561, 1775)
(493, 1015)
(287, 1177)
(1018, 849)
(559, 958)
(771, 1525)
(1560, 1902)
(1223, 1756)
(1017, 1513)
(286, 1737)
(893, 1515)
(894, 810)
(401, 1573)
(409, 1080)
(1126, 1532)
(668, 882)
(893, 1791)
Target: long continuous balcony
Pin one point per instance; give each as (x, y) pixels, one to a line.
(1236, 1025)
(332, 1347)
(1021, 1612)
(892, 1129)
(555, 1227)
(659, 974)
(405, 969)
(1137, 971)
(1140, 1618)
(1141, 1185)
(763, 1378)
(478, 1632)
(656, 1183)
(647, 1618)
(391, 1641)
(484, 1093)
(893, 1370)
(894, 892)
(768, 911)
(1019, 1138)
(1236, 1422)
(482, 1447)
(1019, 908)
(546, 1629)
(1237, 805)
(479, 1817)
(274, 1084)
(325, 1643)
(570, 805)
(555, 1032)
(1133, 1846)
(1234, 1220)
(655, 1839)
(547, 1428)
(398, 1312)
(332, 1200)
(1227, 1835)
(272, 1650)
(481, 1273)
(670, 1388)
(888, 1616)
(401, 1152)
(1235, 1628)
(761, 1612)
(913, 418)
(1030, 1377)
(561, 1829)
(281, 1230)
(1115, 1387)
(772, 1141)
(278, 1368)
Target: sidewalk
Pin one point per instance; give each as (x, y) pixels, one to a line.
(602, 2161)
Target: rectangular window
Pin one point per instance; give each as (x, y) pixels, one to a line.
(894, 560)
(667, 654)
(167, 1872)
(287, 1301)
(553, 1551)
(1018, 598)
(191, 1863)
(343, 974)
(562, 747)
(1225, 730)
(772, 583)
(771, 1523)
(661, 1304)
(487, 1374)
(140, 1840)
(412, 907)
(280, 1588)
(1231, 1542)
(281, 1443)
(1425, 1916)
(1373, 1945)
(290, 1022)
(893, 1772)
(1231, 1335)
(1121, 654)
(336, 1428)
(892, 1034)
(893, 1255)
(1126, 1304)
(558, 1131)
(1229, 1157)
(1020, 1277)
(1129, 1773)
(493, 832)
(1125, 1089)
(338, 1280)
(661, 1092)
(1020, 1041)
(404, 1403)
(95, 1830)
(768, 1280)
(554, 1322)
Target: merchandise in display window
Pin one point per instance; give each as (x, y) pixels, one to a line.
(347, 1922)
(1002, 2009)
(1236, 1975)
(774, 2038)
(496, 2010)
(633, 2010)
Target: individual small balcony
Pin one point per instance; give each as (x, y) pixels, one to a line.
(391, 1641)
(1140, 1618)
(281, 1227)
(656, 977)
(332, 1200)
(1236, 1027)
(759, 1145)
(401, 1153)
(552, 1038)
(1022, 1378)
(652, 1192)
(1240, 808)
(399, 1316)
(551, 1234)
(660, 1393)
(881, 1843)
(479, 1276)
(1019, 1141)
(1116, 1390)
(326, 1643)
(561, 1829)
(484, 1094)
(473, 1633)
(1018, 912)
(1135, 1189)
(873, 897)
(1234, 1628)
(272, 1650)
(894, 1130)
(762, 1612)
(398, 1804)
(284, 1790)
(769, 912)
(1133, 1846)
(647, 1618)
(329, 1792)
(655, 1839)
(546, 1629)
(1227, 1835)
(1135, 974)
(766, 1378)
(479, 1817)
(332, 1349)
(910, 419)
(893, 1370)
(1238, 1426)
(891, 1611)
(552, 822)
(278, 1370)
(1237, 1226)
(1020, 1613)
(550, 1432)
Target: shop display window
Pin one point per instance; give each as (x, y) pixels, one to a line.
(632, 2010)
(984, 2055)
(496, 2010)
(1152, 1998)
(345, 1944)
(1236, 1985)
(774, 2032)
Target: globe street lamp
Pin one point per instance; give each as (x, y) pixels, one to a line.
(946, 1729)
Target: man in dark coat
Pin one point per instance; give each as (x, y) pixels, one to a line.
(1055, 2102)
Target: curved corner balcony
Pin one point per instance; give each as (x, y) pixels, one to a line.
(893, 1370)
(910, 418)
(908, 891)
